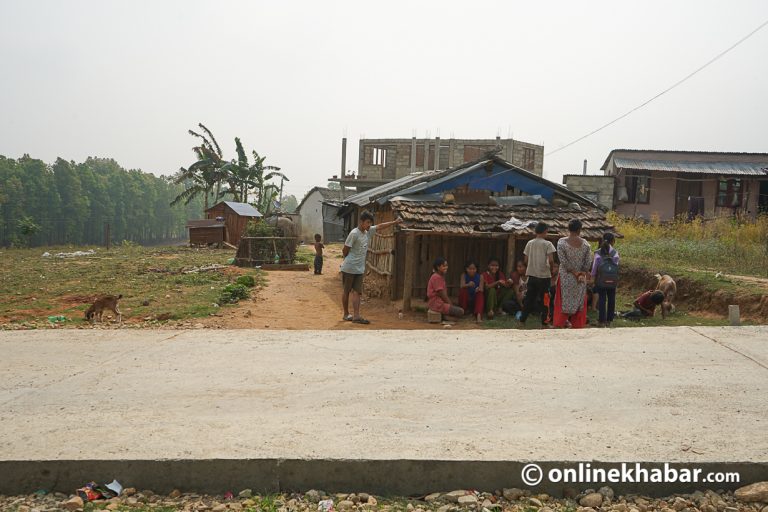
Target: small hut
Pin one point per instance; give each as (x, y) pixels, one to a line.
(206, 232)
(234, 216)
(482, 209)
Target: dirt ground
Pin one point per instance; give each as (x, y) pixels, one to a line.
(303, 300)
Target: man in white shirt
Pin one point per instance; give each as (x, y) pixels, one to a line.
(353, 267)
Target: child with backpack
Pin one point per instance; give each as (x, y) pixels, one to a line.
(605, 273)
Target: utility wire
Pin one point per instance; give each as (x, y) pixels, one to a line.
(606, 125)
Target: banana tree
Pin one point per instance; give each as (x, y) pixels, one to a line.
(206, 173)
(265, 192)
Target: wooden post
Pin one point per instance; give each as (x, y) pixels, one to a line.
(410, 262)
(510, 254)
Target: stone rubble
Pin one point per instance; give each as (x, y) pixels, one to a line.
(751, 498)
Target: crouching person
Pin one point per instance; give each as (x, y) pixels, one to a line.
(645, 305)
(437, 291)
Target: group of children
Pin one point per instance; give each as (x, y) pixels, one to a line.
(488, 293)
(558, 284)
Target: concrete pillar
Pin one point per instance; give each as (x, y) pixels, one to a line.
(733, 315)
(426, 155)
(437, 153)
(343, 156)
(451, 150)
(413, 154)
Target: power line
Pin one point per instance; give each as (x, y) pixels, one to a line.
(606, 125)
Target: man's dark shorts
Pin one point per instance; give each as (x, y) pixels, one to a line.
(352, 282)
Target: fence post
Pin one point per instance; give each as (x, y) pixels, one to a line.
(410, 260)
(106, 235)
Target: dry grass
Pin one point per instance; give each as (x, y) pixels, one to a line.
(728, 245)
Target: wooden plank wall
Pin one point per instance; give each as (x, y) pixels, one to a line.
(456, 249)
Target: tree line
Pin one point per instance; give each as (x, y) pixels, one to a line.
(70, 203)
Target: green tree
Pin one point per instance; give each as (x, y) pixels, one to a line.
(206, 173)
(289, 204)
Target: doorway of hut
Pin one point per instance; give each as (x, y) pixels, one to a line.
(458, 250)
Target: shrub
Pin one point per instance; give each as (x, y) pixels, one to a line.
(248, 281)
(232, 293)
(259, 228)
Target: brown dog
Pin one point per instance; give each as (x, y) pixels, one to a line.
(105, 302)
(668, 286)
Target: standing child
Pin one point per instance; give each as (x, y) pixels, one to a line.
(605, 273)
(437, 291)
(318, 254)
(471, 296)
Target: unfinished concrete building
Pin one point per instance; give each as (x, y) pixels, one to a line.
(383, 160)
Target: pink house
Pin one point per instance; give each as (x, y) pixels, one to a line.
(673, 183)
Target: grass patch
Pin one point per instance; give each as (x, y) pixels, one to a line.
(727, 244)
(33, 287)
(305, 254)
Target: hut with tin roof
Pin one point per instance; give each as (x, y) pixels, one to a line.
(479, 210)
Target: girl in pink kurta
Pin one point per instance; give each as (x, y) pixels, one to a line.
(437, 294)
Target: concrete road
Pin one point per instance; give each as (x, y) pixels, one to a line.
(647, 394)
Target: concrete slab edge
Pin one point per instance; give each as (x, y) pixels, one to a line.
(406, 477)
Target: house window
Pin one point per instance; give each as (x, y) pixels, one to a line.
(376, 156)
(729, 193)
(638, 188)
(529, 158)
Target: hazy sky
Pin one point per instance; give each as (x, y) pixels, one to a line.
(126, 79)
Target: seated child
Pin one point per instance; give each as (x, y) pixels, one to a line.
(471, 297)
(497, 287)
(645, 305)
(514, 303)
(437, 291)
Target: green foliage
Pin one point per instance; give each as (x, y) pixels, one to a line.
(728, 244)
(28, 227)
(71, 203)
(232, 293)
(206, 176)
(259, 228)
(289, 204)
(248, 281)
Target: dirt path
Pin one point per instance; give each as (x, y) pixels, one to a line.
(303, 300)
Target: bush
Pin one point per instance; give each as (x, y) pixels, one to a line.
(248, 281)
(232, 293)
(259, 228)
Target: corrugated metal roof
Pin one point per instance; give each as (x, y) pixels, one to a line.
(365, 197)
(461, 218)
(734, 168)
(419, 182)
(243, 209)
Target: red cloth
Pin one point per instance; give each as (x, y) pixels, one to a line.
(434, 300)
(464, 302)
(488, 278)
(645, 301)
(578, 319)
